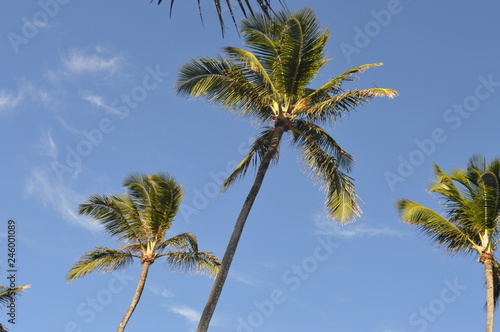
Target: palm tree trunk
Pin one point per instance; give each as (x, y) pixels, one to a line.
(137, 296)
(487, 260)
(238, 229)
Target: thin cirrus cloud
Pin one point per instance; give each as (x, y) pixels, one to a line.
(47, 145)
(160, 290)
(58, 196)
(8, 100)
(100, 102)
(186, 312)
(244, 278)
(79, 61)
(354, 230)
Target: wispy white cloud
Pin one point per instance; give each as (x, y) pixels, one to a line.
(27, 90)
(40, 24)
(9, 100)
(58, 196)
(47, 144)
(160, 290)
(79, 61)
(68, 127)
(188, 313)
(192, 317)
(244, 278)
(354, 230)
(270, 266)
(99, 101)
(45, 98)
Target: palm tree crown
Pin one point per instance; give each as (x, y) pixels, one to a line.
(141, 219)
(271, 84)
(471, 201)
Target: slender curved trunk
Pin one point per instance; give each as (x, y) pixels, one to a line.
(137, 296)
(487, 260)
(238, 229)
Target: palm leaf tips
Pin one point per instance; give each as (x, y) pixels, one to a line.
(263, 5)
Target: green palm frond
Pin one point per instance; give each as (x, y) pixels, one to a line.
(254, 157)
(158, 199)
(334, 107)
(7, 294)
(193, 262)
(134, 248)
(325, 168)
(340, 194)
(334, 86)
(225, 83)
(184, 241)
(477, 163)
(496, 281)
(303, 130)
(301, 54)
(472, 196)
(445, 233)
(116, 213)
(494, 167)
(260, 34)
(255, 69)
(102, 259)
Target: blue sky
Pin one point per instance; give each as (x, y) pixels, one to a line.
(86, 98)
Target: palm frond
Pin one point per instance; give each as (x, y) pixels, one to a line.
(303, 130)
(334, 107)
(494, 167)
(104, 260)
(225, 83)
(260, 33)
(264, 5)
(496, 282)
(254, 157)
(184, 241)
(442, 231)
(256, 71)
(117, 214)
(193, 262)
(340, 193)
(158, 197)
(478, 163)
(490, 192)
(334, 86)
(7, 294)
(301, 52)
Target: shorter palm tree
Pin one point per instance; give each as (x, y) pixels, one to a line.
(7, 295)
(141, 219)
(471, 201)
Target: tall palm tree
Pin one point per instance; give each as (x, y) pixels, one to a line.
(471, 200)
(271, 85)
(141, 218)
(245, 7)
(6, 297)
